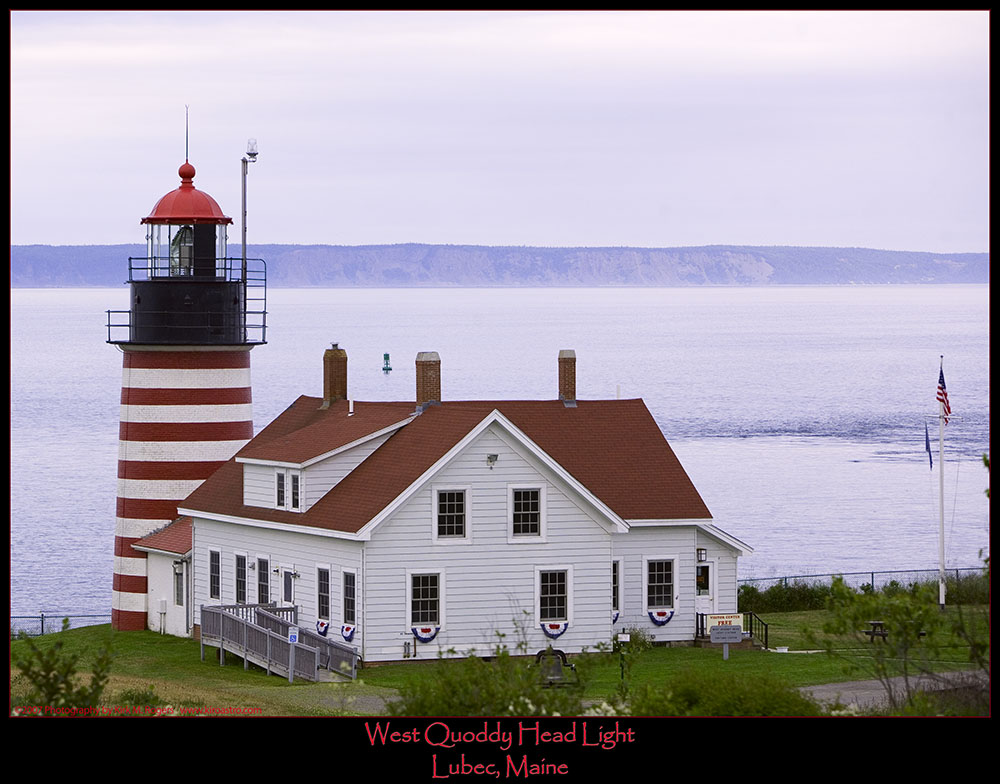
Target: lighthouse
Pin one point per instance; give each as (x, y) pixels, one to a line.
(194, 315)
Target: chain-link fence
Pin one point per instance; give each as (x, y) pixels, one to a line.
(46, 623)
(877, 580)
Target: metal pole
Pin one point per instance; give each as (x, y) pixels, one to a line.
(941, 590)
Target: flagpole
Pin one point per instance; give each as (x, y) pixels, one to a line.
(941, 418)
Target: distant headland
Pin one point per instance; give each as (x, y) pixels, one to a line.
(419, 265)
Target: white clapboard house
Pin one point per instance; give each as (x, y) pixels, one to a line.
(413, 529)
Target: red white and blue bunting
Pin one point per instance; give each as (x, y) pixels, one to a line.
(554, 630)
(425, 633)
(322, 627)
(660, 617)
(347, 631)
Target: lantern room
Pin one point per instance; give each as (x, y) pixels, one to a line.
(187, 291)
(186, 232)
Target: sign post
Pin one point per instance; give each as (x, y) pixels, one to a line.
(726, 634)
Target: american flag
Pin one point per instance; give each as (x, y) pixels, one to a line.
(942, 396)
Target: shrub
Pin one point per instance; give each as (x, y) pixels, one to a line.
(783, 597)
(694, 693)
(53, 679)
(503, 686)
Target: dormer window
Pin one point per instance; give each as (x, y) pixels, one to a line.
(288, 489)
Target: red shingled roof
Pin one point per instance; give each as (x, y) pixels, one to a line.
(612, 447)
(173, 538)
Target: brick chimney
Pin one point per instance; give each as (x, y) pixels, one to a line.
(428, 378)
(567, 377)
(334, 375)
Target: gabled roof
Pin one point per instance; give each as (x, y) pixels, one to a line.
(174, 538)
(613, 448)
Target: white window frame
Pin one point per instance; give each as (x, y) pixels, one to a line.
(646, 561)
(442, 615)
(343, 597)
(542, 534)
(236, 577)
(329, 592)
(218, 574)
(180, 582)
(283, 481)
(620, 563)
(568, 569)
(436, 491)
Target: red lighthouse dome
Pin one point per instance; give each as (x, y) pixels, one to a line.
(187, 204)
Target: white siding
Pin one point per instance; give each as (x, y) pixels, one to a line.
(302, 552)
(317, 479)
(489, 585)
(724, 558)
(636, 548)
(258, 485)
(161, 586)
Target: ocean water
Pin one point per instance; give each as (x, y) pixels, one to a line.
(798, 412)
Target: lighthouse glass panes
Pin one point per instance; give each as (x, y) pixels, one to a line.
(170, 250)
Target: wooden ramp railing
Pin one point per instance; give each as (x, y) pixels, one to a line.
(259, 634)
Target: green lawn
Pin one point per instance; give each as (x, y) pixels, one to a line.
(173, 667)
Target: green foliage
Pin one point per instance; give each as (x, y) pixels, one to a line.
(914, 626)
(700, 693)
(505, 685)
(52, 675)
(639, 642)
(782, 597)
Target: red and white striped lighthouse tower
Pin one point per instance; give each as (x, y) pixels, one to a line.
(185, 402)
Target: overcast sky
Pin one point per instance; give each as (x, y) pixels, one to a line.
(510, 128)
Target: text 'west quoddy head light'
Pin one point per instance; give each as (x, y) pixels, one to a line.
(194, 315)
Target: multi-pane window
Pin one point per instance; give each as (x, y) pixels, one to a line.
(660, 584)
(451, 513)
(179, 587)
(425, 600)
(287, 489)
(527, 513)
(214, 574)
(614, 585)
(323, 593)
(350, 598)
(241, 579)
(263, 581)
(552, 597)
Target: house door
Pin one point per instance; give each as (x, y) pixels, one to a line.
(287, 586)
(704, 582)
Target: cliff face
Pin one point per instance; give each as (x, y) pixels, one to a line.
(477, 265)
